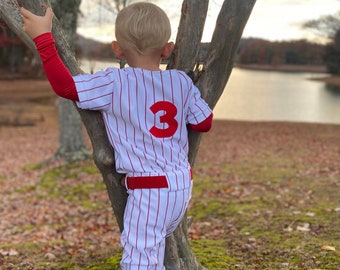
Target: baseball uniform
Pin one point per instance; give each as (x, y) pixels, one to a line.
(146, 114)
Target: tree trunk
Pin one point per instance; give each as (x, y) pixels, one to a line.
(71, 140)
(211, 80)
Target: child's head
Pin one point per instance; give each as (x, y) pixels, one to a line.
(142, 27)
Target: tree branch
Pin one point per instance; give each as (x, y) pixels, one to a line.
(189, 36)
(229, 27)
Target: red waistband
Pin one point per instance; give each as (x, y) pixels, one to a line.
(137, 182)
(156, 181)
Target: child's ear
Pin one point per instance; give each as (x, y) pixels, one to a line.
(167, 50)
(117, 50)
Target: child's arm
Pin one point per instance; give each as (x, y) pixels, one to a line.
(39, 29)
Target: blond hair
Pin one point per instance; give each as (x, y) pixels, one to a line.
(143, 27)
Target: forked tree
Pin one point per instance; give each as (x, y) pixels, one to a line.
(210, 75)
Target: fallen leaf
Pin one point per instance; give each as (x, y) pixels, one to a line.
(303, 228)
(330, 248)
(50, 256)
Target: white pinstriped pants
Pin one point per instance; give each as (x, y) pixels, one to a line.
(150, 216)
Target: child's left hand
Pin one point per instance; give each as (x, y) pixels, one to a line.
(35, 25)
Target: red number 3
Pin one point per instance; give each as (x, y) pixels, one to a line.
(168, 118)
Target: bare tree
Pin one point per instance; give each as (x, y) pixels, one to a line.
(211, 78)
(114, 5)
(71, 140)
(326, 26)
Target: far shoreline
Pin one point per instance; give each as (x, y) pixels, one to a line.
(317, 69)
(326, 77)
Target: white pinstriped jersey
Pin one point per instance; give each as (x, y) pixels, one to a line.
(145, 113)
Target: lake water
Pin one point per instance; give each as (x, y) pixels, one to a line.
(273, 96)
(278, 96)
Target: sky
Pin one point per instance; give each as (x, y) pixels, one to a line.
(273, 20)
(281, 19)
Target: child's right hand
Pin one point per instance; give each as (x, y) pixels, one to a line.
(35, 25)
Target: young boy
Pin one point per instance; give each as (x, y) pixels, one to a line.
(146, 113)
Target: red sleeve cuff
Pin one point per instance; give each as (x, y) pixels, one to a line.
(204, 126)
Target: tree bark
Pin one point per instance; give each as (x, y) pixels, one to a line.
(71, 140)
(211, 80)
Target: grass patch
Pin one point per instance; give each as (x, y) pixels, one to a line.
(273, 216)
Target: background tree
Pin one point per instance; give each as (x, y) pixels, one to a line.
(325, 26)
(71, 139)
(294, 52)
(114, 5)
(12, 54)
(328, 27)
(332, 55)
(211, 77)
(12, 50)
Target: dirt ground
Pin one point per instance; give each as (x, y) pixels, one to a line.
(29, 134)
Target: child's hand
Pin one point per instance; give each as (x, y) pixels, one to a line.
(35, 25)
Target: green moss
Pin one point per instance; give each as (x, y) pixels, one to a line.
(24, 248)
(62, 182)
(212, 253)
(204, 209)
(112, 263)
(57, 266)
(264, 169)
(26, 189)
(32, 166)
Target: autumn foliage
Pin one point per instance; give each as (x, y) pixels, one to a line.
(251, 50)
(297, 52)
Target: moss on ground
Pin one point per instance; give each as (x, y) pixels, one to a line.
(268, 213)
(213, 254)
(66, 182)
(280, 218)
(111, 263)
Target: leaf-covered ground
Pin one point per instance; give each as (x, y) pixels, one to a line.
(266, 195)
